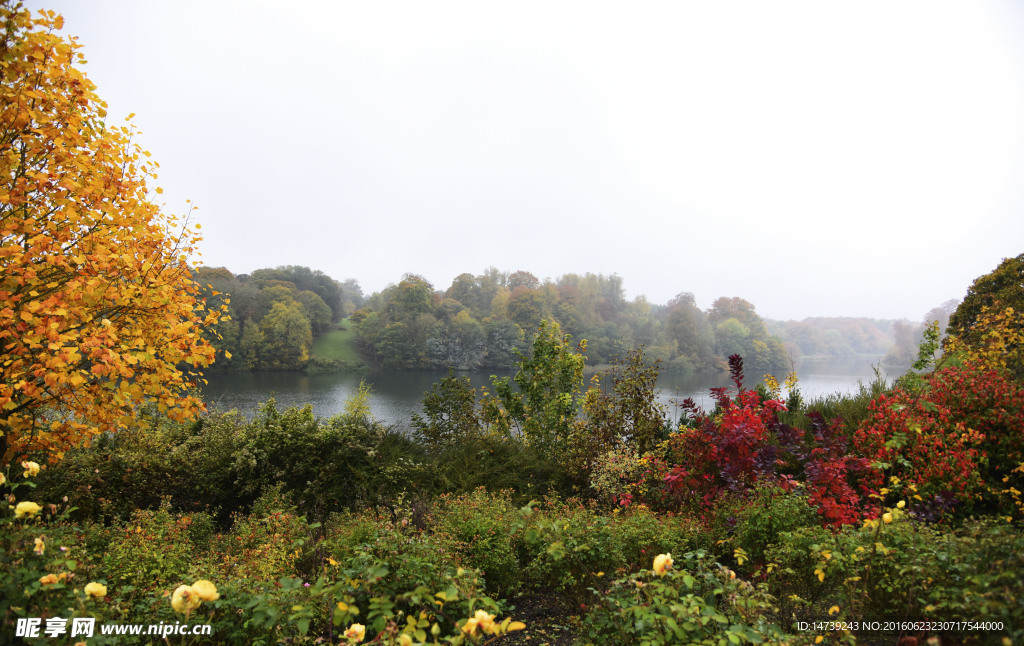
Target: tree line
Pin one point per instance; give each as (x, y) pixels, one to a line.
(483, 321)
(274, 314)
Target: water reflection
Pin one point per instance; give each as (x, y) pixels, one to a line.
(397, 395)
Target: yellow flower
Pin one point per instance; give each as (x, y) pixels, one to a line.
(901, 504)
(40, 547)
(26, 508)
(185, 599)
(470, 626)
(485, 621)
(887, 517)
(31, 468)
(356, 632)
(205, 590)
(96, 590)
(49, 579)
(662, 563)
(3, 479)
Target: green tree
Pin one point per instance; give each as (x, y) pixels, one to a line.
(731, 337)
(449, 414)
(287, 337)
(527, 308)
(543, 410)
(316, 310)
(461, 344)
(505, 340)
(688, 326)
(410, 298)
(628, 415)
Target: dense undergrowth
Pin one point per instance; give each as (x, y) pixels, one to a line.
(749, 523)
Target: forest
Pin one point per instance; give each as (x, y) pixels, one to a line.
(533, 511)
(481, 322)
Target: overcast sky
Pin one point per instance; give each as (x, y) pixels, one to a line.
(815, 158)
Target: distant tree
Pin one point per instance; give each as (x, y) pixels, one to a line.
(461, 344)
(688, 327)
(463, 289)
(287, 336)
(732, 337)
(942, 313)
(505, 340)
(522, 279)
(526, 308)
(410, 298)
(350, 294)
(316, 311)
(250, 345)
(737, 308)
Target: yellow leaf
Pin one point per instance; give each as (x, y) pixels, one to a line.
(516, 625)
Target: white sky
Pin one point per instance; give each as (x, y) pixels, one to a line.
(816, 158)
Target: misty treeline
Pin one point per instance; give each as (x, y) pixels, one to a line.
(482, 321)
(894, 343)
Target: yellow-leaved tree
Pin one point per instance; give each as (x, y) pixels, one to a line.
(99, 313)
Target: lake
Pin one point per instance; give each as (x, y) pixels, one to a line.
(397, 395)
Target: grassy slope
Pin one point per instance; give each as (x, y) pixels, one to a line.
(338, 344)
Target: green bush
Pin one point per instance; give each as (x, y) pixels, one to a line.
(152, 550)
(498, 464)
(902, 571)
(771, 513)
(484, 528)
(570, 547)
(696, 601)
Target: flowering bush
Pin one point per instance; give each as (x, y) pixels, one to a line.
(690, 601)
(151, 551)
(901, 569)
(960, 438)
(743, 446)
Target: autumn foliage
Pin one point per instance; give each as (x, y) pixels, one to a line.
(98, 310)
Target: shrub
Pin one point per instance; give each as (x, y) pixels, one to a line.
(694, 601)
(483, 526)
(152, 550)
(901, 571)
(960, 437)
(771, 513)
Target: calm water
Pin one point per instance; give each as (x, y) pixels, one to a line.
(396, 396)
